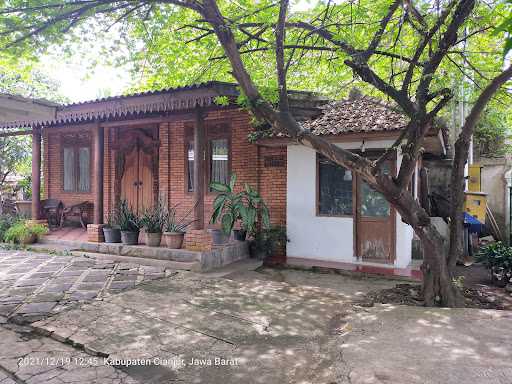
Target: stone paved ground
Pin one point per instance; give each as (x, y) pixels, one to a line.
(31, 359)
(35, 285)
(257, 328)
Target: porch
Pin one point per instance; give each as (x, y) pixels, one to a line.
(75, 241)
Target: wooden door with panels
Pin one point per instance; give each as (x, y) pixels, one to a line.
(137, 163)
(375, 223)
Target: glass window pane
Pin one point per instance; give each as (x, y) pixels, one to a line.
(373, 203)
(335, 189)
(69, 169)
(219, 161)
(190, 168)
(84, 164)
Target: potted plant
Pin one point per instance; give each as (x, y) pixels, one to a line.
(24, 233)
(175, 228)
(497, 258)
(129, 224)
(153, 221)
(268, 241)
(244, 207)
(111, 230)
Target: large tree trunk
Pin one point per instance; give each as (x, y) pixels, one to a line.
(438, 284)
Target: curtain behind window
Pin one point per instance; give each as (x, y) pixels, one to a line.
(69, 169)
(84, 164)
(190, 159)
(220, 161)
(335, 189)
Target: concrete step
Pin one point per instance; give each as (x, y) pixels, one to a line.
(159, 253)
(193, 266)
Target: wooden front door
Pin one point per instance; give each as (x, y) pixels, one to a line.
(137, 180)
(137, 167)
(375, 225)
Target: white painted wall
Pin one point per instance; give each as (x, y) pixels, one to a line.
(326, 238)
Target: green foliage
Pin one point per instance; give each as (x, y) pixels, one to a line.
(222, 101)
(14, 151)
(175, 223)
(154, 219)
(230, 207)
(23, 230)
(113, 218)
(492, 133)
(25, 185)
(506, 26)
(271, 239)
(6, 222)
(128, 220)
(497, 257)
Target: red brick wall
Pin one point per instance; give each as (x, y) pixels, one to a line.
(53, 167)
(272, 182)
(244, 158)
(247, 161)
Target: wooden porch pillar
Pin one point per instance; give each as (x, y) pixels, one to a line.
(199, 170)
(36, 173)
(98, 174)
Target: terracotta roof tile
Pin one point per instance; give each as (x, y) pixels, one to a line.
(362, 114)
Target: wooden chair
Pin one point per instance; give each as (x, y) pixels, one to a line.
(78, 210)
(51, 209)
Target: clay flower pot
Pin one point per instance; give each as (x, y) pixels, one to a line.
(112, 235)
(153, 239)
(129, 238)
(218, 236)
(174, 240)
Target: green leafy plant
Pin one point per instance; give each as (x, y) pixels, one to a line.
(25, 185)
(23, 230)
(268, 241)
(154, 219)
(128, 220)
(177, 224)
(113, 219)
(6, 222)
(497, 258)
(245, 206)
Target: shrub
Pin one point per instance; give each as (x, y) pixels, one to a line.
(6, 222)
(128, 220)
(154, 218)
(245, 207)
(21, 231)
(177, 224)
(497, 258)
(267, 241)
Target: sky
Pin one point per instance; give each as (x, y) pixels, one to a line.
(77, 82)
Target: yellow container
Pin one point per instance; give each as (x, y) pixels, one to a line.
(475, 204)
(475, 178)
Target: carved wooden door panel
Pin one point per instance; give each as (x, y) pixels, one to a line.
(145, 185)
(137, 180)
(375, 226)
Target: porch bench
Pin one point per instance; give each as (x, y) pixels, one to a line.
(78, 210)
(51, 209)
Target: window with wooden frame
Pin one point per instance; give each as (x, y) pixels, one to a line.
(334, 189)
(76, 163)
(218, 155)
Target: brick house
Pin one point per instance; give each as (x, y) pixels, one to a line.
(143, 147)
